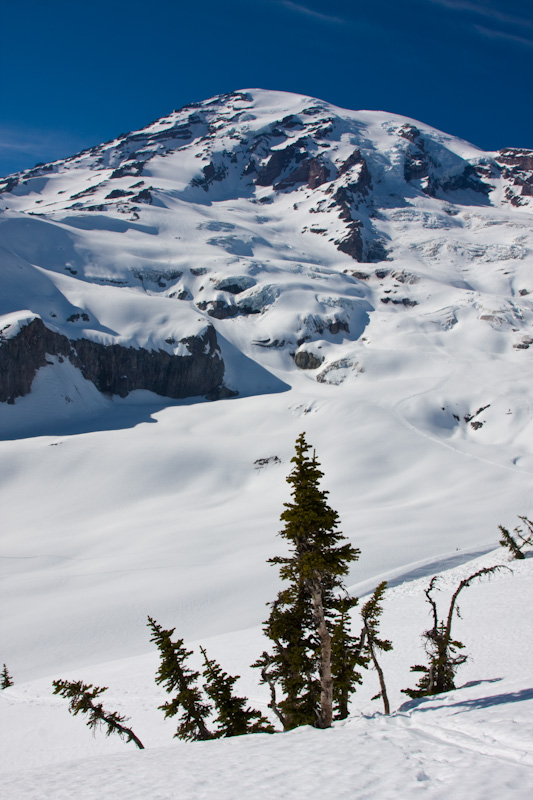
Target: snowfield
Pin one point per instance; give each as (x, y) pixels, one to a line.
(474, 742)
(369, 281)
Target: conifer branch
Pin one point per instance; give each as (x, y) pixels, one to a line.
(81, 698)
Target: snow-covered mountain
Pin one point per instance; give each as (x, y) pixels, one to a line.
(269, 221)
(178, 304)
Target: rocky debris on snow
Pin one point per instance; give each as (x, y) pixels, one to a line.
(260, 463)
(336, 372)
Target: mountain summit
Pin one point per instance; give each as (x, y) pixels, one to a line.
(265, 224)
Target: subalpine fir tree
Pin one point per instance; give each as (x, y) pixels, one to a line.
(233, 718)
(5, 679)
(370, 614)
(304, 616)
(176, 676)
(81, 697)
(518, 539)
(443, 652)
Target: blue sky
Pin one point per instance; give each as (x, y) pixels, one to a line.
(78, 73)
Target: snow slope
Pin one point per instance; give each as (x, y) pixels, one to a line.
(474, 742)
(369, 281)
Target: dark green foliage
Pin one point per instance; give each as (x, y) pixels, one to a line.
(292, 667)
(176, 676)
(346, 654)
(5, 679)
(308, 623)
(81, 698)
(234, 718)
(370, 615)
(515, 543)
(319, 550)
(443, 651)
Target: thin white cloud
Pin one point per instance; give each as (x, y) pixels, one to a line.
(484, 11)
(20, 147)
(508, 37)
(309, 12)
(23, 148)
(17, 144)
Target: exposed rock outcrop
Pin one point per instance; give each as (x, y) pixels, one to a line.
(113, 369)
(278, 162)
(306, 360)
(211, 173)
(311, 171)
(419, 165)
(352, 244)
(22, 355)
(467, 179)
(517, 168)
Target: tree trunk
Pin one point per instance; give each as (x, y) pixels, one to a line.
(326, 679)
(122, 730)
(384, 695)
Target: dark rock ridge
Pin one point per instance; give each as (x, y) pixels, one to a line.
(113, 369)
(348, 196)
(220, 309)
(311, 171)
(419, 165)
(517, 167)
(279, 161)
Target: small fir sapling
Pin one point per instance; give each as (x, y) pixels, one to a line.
(81, 697)
(233, 718)
(6, 679)
(444, 659)
(176, 676)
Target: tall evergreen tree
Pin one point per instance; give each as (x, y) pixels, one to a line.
(234, 718)
(303, 618)
(82, 696)
(176, 676)
(5, 679)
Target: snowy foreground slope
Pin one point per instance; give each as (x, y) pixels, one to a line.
(176, 307)
(475, 742)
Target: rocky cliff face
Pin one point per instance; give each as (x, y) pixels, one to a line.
(113, 369)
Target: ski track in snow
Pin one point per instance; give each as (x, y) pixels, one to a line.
(396, 409)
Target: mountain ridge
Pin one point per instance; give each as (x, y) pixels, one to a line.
(157, 219)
